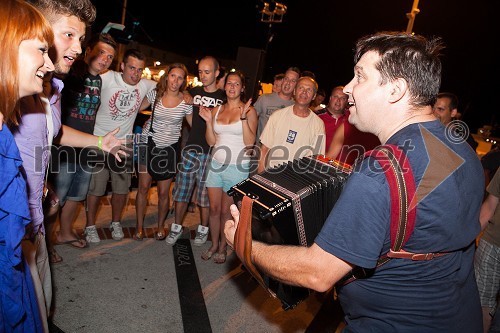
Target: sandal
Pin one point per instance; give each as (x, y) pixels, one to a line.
(160, 235)
(76, 242)
(220, 258)
(207, 255)
(54, 257)
(138, 236)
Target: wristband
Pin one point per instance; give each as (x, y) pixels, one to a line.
(99, 142)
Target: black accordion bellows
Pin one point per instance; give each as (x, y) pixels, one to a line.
(291, 204)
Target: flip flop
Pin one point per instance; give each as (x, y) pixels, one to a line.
(73, 242)
(207, 255)
(54, 257)
(220, 258)
(138, 236)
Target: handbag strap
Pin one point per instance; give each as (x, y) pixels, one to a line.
(151, 130)
(243, 241)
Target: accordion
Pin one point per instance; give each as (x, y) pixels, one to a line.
(290, 205)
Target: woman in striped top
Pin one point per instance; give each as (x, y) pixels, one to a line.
(169, 110)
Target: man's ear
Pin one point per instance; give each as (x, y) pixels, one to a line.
(398, 88)
(122, 66)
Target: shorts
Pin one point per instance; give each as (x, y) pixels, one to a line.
(225, 175)
(163, 164)
(487, 270)
(72, 181)
(120, 181)
(192, 172)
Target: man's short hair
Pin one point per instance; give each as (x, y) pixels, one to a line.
(279, 76)
(104, 38)
(452, 97)
(83, 9)
(134, 53)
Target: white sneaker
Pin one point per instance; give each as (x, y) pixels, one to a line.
(201, 235)
(116, 230)
(91, 235)
(174, 234)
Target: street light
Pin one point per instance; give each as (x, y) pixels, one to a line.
(273, 12)
(411, 16)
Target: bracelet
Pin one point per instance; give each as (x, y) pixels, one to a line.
(99, 142)
(243, 118)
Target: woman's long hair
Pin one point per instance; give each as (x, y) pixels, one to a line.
(18, 21)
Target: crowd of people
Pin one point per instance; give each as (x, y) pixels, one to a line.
(63, 107)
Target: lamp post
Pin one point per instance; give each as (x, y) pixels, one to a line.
(411, 16)
(120, 45)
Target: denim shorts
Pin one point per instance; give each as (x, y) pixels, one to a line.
(226, 175)
(72, 181)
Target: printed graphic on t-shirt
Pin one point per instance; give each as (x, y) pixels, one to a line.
(291, 136)
(87, 101)
(206, 101)
(271, 109)
(124, 104)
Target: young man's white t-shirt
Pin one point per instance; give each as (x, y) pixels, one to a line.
(120, 103)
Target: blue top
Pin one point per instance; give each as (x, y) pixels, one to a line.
(439, 295)
(18, 305)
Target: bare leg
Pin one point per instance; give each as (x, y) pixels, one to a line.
(225, 215)
(93, 202)
(118, 202)
(215, 197)
(66, 219)
(141, 198)
(180, 211)
(163, 187)
(486, 319)
(204, 215)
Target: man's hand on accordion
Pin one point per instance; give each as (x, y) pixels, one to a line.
(231, 225)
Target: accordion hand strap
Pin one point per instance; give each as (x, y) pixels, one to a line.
(243, 241)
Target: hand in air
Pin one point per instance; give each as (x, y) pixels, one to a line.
(206, 114)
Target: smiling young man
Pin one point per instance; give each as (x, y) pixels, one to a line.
(122, 94)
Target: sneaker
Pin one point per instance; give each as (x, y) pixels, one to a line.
(201, 235)
(116, 230)
(91, 235)
(174, 234)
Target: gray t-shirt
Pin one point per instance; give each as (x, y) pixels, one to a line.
(266, 104)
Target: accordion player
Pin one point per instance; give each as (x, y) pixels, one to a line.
(290, 205)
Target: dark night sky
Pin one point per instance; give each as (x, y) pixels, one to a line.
(320, 36)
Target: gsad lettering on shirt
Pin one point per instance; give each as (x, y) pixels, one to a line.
(206, 101)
